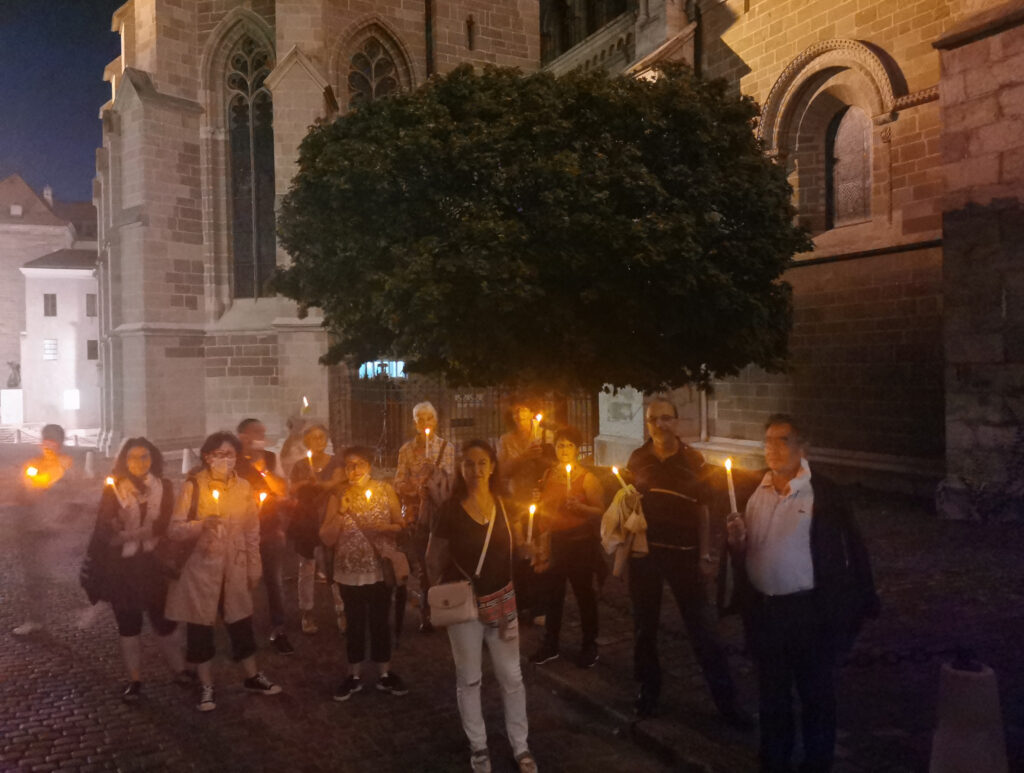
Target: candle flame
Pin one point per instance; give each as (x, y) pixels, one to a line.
(728, 464)
(568, 469)
(615, 470)
(110, 481)
(309, 454)
(369, 495)
(31, 472)
(427, 431)
(305, 402)
(263, 497)
(538, 417)
(216, 494)
(533, 509)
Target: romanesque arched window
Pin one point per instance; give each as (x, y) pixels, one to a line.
(372, 72)
(250, 116)
(848, 168)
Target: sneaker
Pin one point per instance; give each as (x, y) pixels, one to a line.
(392, 683)
(132, 692)
(206, 698)
(281, 644)
(480, 761)
(426, 627)
(352, 684)
(261, 684)
(544, 655)
(588, 656)
(309, 626)
(26, 628)
(186, 678)
(526, 762)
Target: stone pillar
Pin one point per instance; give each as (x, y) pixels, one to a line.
(982, 101)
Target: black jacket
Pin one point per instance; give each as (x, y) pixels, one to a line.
(842, 569)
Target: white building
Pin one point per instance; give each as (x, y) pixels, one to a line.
(60, 374)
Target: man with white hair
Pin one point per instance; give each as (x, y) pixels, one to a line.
(426, 469)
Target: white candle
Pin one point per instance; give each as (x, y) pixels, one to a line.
(529, 526)
(305, 405)
(216, 500)
(732, 489)
(615, 471)
(568, 480)
(369, 495)
(309, 457)
(263, 497)
(426, 444)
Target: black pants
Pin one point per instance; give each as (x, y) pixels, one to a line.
(575, 562)
(272, 556)
(366, 610)
(199, 641)
(680, 570)
(792, 648)
(129, 621)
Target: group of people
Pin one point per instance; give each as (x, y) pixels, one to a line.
(520, 522)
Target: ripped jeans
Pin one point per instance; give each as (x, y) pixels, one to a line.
(467, 641)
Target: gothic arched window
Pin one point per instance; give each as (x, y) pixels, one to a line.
(372, 73)
(848, 168)
(251, 138)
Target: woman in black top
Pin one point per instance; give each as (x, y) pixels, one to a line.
(454, 553)
(134, 511)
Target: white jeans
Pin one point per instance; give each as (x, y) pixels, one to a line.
(467, 649)
(307, 582)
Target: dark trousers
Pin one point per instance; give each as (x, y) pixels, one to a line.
(199, 641)
(366, 611)
(572, 561)
(680, 570)
(792, 649)
(129, 621)
(272, 553)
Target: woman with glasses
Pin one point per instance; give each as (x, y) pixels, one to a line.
(134, 512)
(361, 522)
(218, 511)
(472, 523)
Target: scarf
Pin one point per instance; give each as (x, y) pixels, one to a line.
(138, 527)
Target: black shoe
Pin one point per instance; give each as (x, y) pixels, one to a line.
(392, 683)
(281, 644)
(544, 655)
(426, 627)
(588, 656)
(132, 692)
(646, 703)
(352, 684)
(738, 719)
(261, 684)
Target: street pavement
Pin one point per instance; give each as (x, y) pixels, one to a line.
(943, 584)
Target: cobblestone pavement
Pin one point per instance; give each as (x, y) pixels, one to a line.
(941, 583)
(60, 706)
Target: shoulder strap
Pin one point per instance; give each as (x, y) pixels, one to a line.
(487, 542)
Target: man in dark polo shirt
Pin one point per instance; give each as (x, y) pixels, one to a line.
(671, 478)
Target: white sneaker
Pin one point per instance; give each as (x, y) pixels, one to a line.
(26, 628)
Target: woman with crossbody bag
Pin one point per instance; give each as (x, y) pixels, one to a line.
(472, 534)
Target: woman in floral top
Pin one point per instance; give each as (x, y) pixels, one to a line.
(361, 522)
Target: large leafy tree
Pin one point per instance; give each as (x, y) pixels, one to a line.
(560, 232)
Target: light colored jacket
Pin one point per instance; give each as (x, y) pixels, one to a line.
(624, 528)
(227, 558)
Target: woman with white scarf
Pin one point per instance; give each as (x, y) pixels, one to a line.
(134, 511)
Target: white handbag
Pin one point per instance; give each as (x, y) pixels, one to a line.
(455, 602)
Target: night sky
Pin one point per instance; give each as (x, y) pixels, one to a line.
(52, 55)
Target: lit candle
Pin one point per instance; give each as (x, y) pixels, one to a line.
(426, 451)
(309, 458)
(568, 480)
(216, 500)
(369, 495)
(113, 486)
(615, 472)
(540, 430)
(305, 405)
(529, 526)
(263, 497)
(732, 489)
(31, 472)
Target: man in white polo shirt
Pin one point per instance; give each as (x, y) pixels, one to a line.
(804, 586)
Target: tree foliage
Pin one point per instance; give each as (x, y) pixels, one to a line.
(558, 232)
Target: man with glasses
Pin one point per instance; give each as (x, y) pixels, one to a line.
(804, 586)
(672, 479)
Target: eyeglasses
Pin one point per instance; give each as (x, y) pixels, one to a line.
(222, 455)
(777, 442)
(660, 417)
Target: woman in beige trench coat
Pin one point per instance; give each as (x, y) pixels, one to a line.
(220, 512)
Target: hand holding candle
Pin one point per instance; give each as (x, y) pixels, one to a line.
(732, 489)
